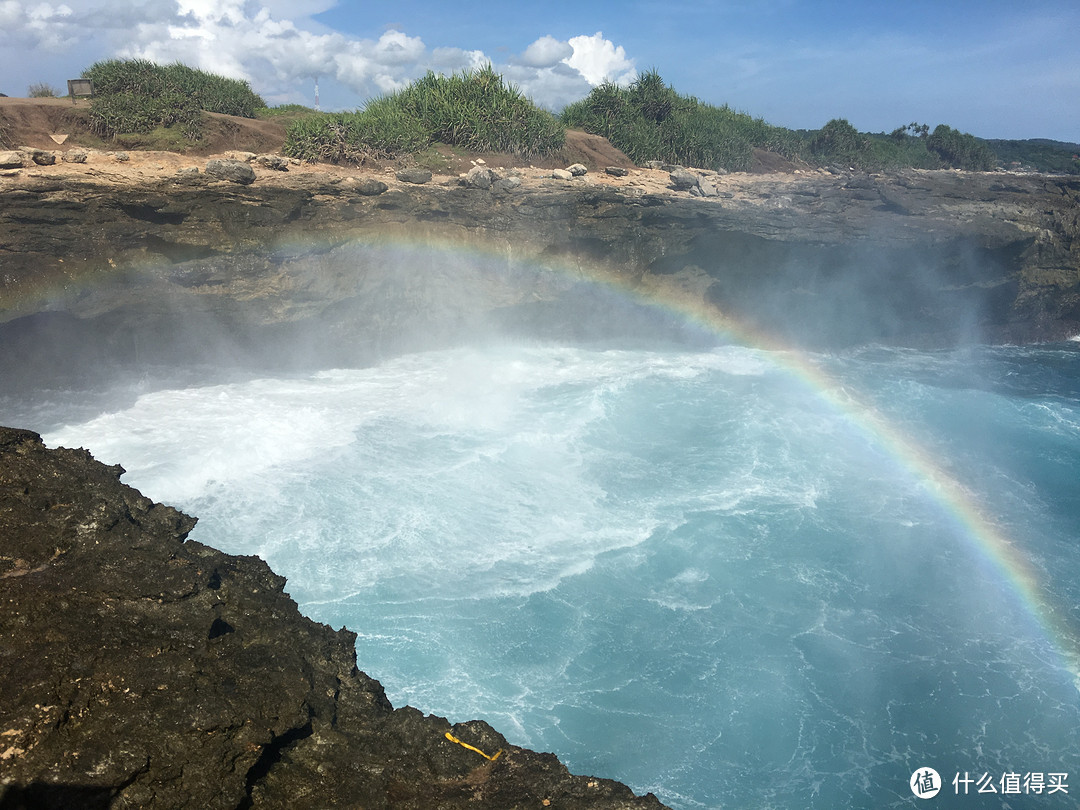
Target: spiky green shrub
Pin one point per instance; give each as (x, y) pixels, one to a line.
(142, 77)
(136, 95)
(128, 113)
(475, 110)
(353, 137)
(650, 121)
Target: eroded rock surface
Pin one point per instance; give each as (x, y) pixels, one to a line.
(143, 670)
(144, 270)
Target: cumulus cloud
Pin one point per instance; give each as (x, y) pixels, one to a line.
(546, 52)
(600, 60)
(277, 47)
(554, 72)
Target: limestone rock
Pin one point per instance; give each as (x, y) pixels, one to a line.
(616, 171)
(234, 171)
(75, 156)
(506, 184)
(415, 175)
(275, 162)
(370, 187)
(578, 170)
(121, 157)
(480, 177)
(42, 157)
(683, 180)
(562, 174)
(1004, 250)
(11, 160)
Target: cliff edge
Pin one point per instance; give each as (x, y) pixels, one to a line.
(144, 670)
(141, 260)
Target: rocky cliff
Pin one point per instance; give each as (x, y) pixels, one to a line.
(142, 670)
(95, 266)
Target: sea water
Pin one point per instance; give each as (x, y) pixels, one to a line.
(686, 570)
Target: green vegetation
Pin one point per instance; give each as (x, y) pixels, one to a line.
(474, 110)
(41, 90)
(146, 105)
(285, 114)
(960, 149)
(650, 121)
(838, 143)
(284, 111)
(1039, 154)
(138, 96)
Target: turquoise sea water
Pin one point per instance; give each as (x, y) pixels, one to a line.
(681, 569)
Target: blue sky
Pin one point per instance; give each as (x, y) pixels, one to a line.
(996, 69)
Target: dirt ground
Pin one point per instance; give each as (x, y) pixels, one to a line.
(34, 122)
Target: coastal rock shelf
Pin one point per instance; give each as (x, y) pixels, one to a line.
(95, 268)
(142, 670)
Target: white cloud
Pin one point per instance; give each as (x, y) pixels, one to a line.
(600, 60)
(546, 52)
(276, 47)
(555, 72)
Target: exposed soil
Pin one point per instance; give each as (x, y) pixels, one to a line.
(58, 124)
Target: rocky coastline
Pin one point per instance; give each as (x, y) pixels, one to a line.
(144, 670)
(153, 671)
(101, 256)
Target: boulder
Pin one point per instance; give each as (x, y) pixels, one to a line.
(11, 160)
(480, 177)
(234, 171)
(43, 158)
(578, 170)
(75, 156)
(275, 162)
(683, 180)
(562, 174)
(415, 175)
(370, 187)
(616, 171)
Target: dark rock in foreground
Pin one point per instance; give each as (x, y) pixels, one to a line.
(141, 670)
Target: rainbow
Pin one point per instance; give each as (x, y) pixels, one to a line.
(986, 538)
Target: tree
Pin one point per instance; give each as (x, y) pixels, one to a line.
(961, 150)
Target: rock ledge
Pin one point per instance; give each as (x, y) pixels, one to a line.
(143, 670)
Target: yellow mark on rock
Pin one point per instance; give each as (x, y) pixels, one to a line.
(454, 739)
